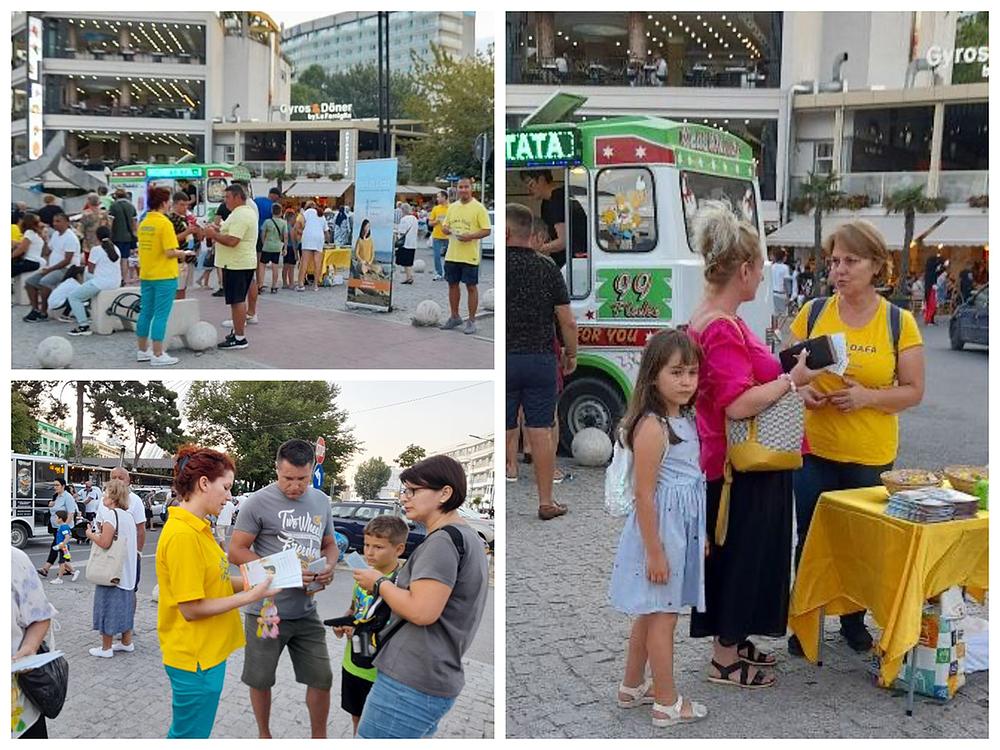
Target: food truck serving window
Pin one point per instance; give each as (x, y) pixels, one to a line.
(696, 188)
(216, 191)
(626, 210)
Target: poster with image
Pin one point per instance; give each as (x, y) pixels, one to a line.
(370, 281)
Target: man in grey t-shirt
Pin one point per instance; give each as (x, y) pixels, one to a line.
(288, 514)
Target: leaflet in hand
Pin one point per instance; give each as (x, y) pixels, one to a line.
(839, 341)
(35, 661)
(356, 561)
(284, 566)
(316, 566)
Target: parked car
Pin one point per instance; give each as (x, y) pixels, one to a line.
(486, 246)
(970, 323)
(482, 526)
(350, 520)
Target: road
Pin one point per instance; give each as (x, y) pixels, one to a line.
(99, 688)
(566, 645)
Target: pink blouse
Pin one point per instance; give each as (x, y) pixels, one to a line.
(731, 364)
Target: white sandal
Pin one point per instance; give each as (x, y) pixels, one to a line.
(637, 696)
(673, 713)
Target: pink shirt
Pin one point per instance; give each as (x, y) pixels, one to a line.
(731, 364)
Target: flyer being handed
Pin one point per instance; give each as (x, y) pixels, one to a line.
(283, 566)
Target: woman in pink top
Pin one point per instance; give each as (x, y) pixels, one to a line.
(747, 579)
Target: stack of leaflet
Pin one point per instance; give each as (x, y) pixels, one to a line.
(931, 505)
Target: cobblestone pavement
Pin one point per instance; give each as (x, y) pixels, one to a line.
(387, 339)
(99, 688)
(566, 645)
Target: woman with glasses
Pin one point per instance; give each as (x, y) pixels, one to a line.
(437, 603)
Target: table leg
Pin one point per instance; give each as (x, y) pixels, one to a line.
(819, 637)
(912, 657)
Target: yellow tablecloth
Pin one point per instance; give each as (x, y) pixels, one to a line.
(338, 257)
(857, 557)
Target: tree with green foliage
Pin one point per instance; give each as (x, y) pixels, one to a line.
(371, 477)
(147, 410)
(410, 456)
(23, 424)
(907, 200)
(822, 190)
(454, 100)
(972, 29)
(252, 418)
(357, 86)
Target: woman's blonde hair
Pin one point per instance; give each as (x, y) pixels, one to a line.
(861, 238)
(724, 240)
(117, 490)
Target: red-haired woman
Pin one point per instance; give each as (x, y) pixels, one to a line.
(158, 272)
(197, 619)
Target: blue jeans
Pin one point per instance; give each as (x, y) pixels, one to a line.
(396, 711)
(80, 295)
(154, 309)
(819, 475)
(440, 248)
(195, 700)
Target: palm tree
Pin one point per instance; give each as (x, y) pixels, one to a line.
(906, 200)
(822, 191)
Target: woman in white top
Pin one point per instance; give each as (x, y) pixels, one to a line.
(313, 238)
(114, 606)
(27, 255)
(105, 273)
(407, 229)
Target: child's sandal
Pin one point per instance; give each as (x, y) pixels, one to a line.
(637, 696)
(674, 715)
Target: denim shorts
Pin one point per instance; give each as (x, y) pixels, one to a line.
(531, 385)
(396, 711)
(461, 273)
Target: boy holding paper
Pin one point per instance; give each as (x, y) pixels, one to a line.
(385, 540)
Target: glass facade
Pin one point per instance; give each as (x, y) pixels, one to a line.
(141, 41)
(316, 146)
(662, 48)
(966, 138)
(896, 139)
(125, 96)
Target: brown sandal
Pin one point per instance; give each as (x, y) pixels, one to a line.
(749, 653)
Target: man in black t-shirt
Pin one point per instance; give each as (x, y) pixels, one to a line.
(50, 209)
(536, 295)
(553, 210)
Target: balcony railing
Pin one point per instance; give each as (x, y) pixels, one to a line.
(959, 186)
(134, 55)
(954, 187)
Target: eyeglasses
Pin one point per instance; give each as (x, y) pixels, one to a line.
(411, 491)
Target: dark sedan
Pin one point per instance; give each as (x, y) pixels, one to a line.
(970, 323)
(350, 520)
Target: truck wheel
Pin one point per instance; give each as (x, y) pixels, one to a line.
(19, 535)
(955, 336)
(588, 402)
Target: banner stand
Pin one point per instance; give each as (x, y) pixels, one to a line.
(369, 284)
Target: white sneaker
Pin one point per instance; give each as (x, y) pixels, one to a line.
(163, 360)
(76, 574)
(143, 356)
(251, 319)
(100, 652)
(436, 277)
(56, 581)
(122, 647)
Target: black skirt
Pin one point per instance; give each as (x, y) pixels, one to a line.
(404, 256)
(747, 580)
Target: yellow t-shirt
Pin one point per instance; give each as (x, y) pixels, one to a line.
(15, 234)
(242, 223)
(190, 565)
(156, 237)
(437, 214)
(865, 436)
(364, 250)
(464, 218)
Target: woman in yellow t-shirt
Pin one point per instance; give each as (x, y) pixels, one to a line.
(852, 425)
(158, 273)
(438, 238)
(364, 249)
(198, 622)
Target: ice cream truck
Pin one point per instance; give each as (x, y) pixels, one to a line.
(32, 487)
(210, 181)
(631, 187)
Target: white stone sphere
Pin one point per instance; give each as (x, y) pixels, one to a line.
(420, 265)
(488, 299)
(55, 353)
(201, 336)
(591, 447)
(428, 313)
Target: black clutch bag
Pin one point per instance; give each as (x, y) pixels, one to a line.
(820, 355)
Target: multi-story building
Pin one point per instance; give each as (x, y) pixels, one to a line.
(138, 86)
(343, 40)
(103, 448)
(476, 458)
(53, 440)
(883, 98)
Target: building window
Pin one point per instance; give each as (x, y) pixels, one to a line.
(626, 210)
(823, 157)
(897, 139)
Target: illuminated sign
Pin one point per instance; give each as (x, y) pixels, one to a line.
(183, 173)
(318, 111)
(601, 336)
(938, 56)
(543, 148)
(710, 141)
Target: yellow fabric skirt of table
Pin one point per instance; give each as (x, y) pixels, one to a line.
(338, 257)
(856, 557)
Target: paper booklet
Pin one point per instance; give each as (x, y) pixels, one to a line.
(35, 661)
(284, 566)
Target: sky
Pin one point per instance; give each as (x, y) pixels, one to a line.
(387, 416)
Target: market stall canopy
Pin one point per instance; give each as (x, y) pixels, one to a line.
(319, 188)
(799, 232)
(960, 230)
(417, 189)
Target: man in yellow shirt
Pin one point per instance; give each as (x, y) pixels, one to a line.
(465, 223)
(236, 255)
(439, 239)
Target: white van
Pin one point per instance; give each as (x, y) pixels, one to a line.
(32, 488)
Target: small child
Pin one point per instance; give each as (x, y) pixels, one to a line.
(385, 540)
(63, 533)
(659, 569)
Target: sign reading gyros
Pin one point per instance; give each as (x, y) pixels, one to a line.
(938, 56)
(319, 111)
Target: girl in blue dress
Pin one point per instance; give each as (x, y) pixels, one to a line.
(659, 568)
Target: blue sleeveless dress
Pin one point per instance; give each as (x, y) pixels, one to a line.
(679, 501)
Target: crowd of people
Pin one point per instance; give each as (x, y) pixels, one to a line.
(407, 626)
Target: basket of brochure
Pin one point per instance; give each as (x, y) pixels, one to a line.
(909, 479)
(965, 478)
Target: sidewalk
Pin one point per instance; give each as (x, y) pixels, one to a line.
(566, 649)
(128, 696)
